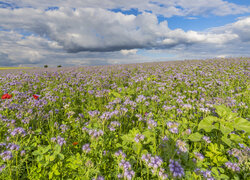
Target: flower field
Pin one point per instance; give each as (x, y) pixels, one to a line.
(172, 120)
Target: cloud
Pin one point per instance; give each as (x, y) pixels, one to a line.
(131, 51)
(99, 30)
(83, 32)
(167, 8)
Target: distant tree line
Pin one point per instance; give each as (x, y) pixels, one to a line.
(46, 66)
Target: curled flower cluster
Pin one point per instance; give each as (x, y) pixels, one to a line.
(99, 178)
(199, 156)
(154, 163)
(173, 127)
(232, 166)
(60, 140)
(151, 123)
(94, 133)
(13, 146)
(94, 113)
(120, 153)
(206, 174)
(128, 173)
(86, 148)
(139, 137)
(18, 131)
(176, 169)
(113, 125)
(207, 139)
(6, 155)
(182, 146)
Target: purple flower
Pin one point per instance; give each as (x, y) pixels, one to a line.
(232, 166)
(59, 140)
(2, 167)
(173, 127)
(13, 146)
(162, 175)
(63, 128)
(176, 169)
(86, 148)
(6, 155)
(199, 156)
(120, 153)
(207, 139)
(139, 137)
(98, 178)
(129, 174)
(181, 145)
(22, 152)
(18, 131)
(140, 98)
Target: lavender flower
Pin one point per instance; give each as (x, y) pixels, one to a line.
(18, 131)
(94, 133)
(207, 139)
(139, 137)
(113, 125)
(63, 128)
(232, 166)
(2, 167)
(182, 146)
(13, 146)
(129, 174)
(22, 153)
(151, 124)
(60, 140)
(86, 148)
(176, 169)
(162, 175)
(120, 153)
(99, 178)
(173, 127)
(199, 156)
(6, 155)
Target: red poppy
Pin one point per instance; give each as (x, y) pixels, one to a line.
(36, 96)
(75, 143)
(6, 96)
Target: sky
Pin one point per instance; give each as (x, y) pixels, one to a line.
(104, 32)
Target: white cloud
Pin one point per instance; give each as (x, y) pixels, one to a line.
(126, 52)
(97, 34)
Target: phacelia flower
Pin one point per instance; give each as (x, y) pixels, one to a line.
(207, 139)
(139, 137)
(86, 148)
(6, 155)
(232, 166)
(176, 169)
(173, 127)
(181, 145)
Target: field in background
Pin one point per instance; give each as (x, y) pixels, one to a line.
(152, 121)
(7, 68)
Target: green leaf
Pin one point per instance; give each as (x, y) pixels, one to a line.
(215, 171)
(222, 110)
(223, 176)
(52, 157)
(225, 129)
(236, 138)
(195, 137)
(207, 123)
(226, 140)
(61, 156)
(242, 124)
(57, 149)
(35, 153)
